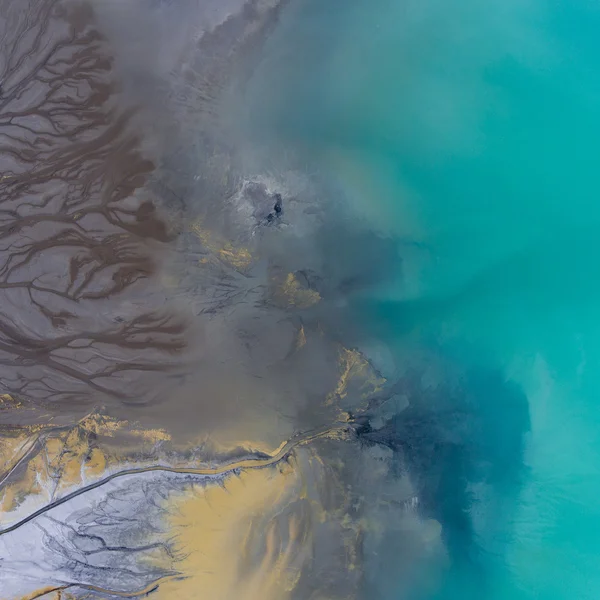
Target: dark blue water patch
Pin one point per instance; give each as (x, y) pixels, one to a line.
(453, 439)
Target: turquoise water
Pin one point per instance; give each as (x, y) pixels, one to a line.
(469, 133)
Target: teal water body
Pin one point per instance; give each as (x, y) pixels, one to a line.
(468, 132)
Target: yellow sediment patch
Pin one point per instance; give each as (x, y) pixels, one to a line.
(294, 294)
(12, 451)
(52, 460)
(229, 441)
(13, 447)
(237, 257)
(250, 537)
(355, 372)
(245, 539)
(240, 258)
(301, 338)
(152, 435)
(63, 458)
(8, 402)
(101, 424)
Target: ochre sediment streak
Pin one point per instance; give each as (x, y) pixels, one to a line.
(296, 295)
(288, 292)
(219, 248)
(61, 457)
(356, 372)
(249, 538)
(22, 446)
(245, 464)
